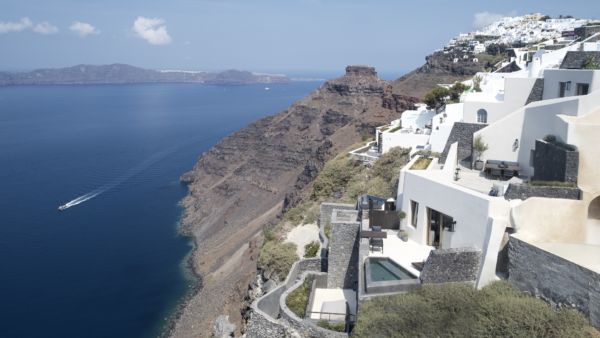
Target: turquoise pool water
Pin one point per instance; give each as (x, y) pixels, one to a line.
(384, 269)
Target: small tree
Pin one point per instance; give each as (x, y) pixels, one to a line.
(479, 147)
(456, 90)
(477, 83)
(591, 63)
(436, 97)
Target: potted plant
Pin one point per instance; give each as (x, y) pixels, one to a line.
(402, 234)
(479, 147)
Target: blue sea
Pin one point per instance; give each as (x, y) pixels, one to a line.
(111, 265)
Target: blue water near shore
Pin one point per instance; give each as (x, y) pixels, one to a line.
(111, 266)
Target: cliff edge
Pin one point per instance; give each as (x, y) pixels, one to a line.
(247, 179)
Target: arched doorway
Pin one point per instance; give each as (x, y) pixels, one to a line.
(482, 116)
(593, 222)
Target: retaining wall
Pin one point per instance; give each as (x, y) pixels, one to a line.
(554, 278)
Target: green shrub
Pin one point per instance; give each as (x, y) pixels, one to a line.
(327, 231)
(459, 310)
(334, 177)
(311, 249)
(421, 164)
(436, 97)
(339, 327)
(553, 184)
(269, 234)
(554, 140)
(427, 153)
(277, 258)
(344, 180)
(297, 300)
(395, 129)
(591, 63)
(311, 214)
(550, 138)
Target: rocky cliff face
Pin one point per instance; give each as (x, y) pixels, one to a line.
(438, 68)
(248, 178)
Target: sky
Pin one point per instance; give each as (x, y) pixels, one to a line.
(289, 36)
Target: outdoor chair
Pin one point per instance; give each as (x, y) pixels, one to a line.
(495, 173)
(376, 244)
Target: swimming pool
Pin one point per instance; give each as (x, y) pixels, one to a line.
(383, 275)
(384, 269)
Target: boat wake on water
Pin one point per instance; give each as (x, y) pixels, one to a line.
(129, 174)
(136, 170)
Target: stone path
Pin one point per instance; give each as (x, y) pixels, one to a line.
(302, 235)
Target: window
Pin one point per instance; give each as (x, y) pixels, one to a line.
(481, 116)
(563, 87)
(414, 213)
(583, 88)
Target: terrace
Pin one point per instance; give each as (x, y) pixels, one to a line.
(404, 253)
(481, 182)
(367, 154)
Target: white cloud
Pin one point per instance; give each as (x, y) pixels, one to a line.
(45, 28)
(484, 19)
(152, 30)
(8, 27)
(83, 29)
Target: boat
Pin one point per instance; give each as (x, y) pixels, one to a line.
(267, 88)
(62, 207)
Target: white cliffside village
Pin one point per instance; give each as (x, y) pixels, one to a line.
(503, 184)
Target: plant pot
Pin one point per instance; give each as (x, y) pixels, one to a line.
(478, 165)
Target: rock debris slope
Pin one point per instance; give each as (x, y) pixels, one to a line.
(248, 178)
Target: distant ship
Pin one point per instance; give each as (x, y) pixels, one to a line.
(62, 207)
(267, 88)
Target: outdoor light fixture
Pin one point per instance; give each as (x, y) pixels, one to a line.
(450, 227)
(516, 144)
(456, 173)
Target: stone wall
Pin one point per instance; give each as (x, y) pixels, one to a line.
(452, 266)
(585, 32)
(343, 255)
(261, 326)
(554, 163)
(269, 303)
(577, 59)
(326, 210)
(554, 279)
(462, 133)
(304, 327)
(537, 91)
(265, 310)
(524, 191)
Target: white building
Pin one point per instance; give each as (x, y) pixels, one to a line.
(446, 210)
(412, 130)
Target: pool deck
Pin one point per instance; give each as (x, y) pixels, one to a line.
(403, 253)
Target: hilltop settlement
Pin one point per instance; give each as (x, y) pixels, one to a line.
(474, 210)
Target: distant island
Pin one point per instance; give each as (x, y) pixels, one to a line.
(123, 73)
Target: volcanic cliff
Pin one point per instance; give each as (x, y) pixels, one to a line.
(252, 175)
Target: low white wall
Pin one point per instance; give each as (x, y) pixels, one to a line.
(550, 220)
(405, 140)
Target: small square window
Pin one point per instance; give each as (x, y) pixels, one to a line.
(583, 88)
